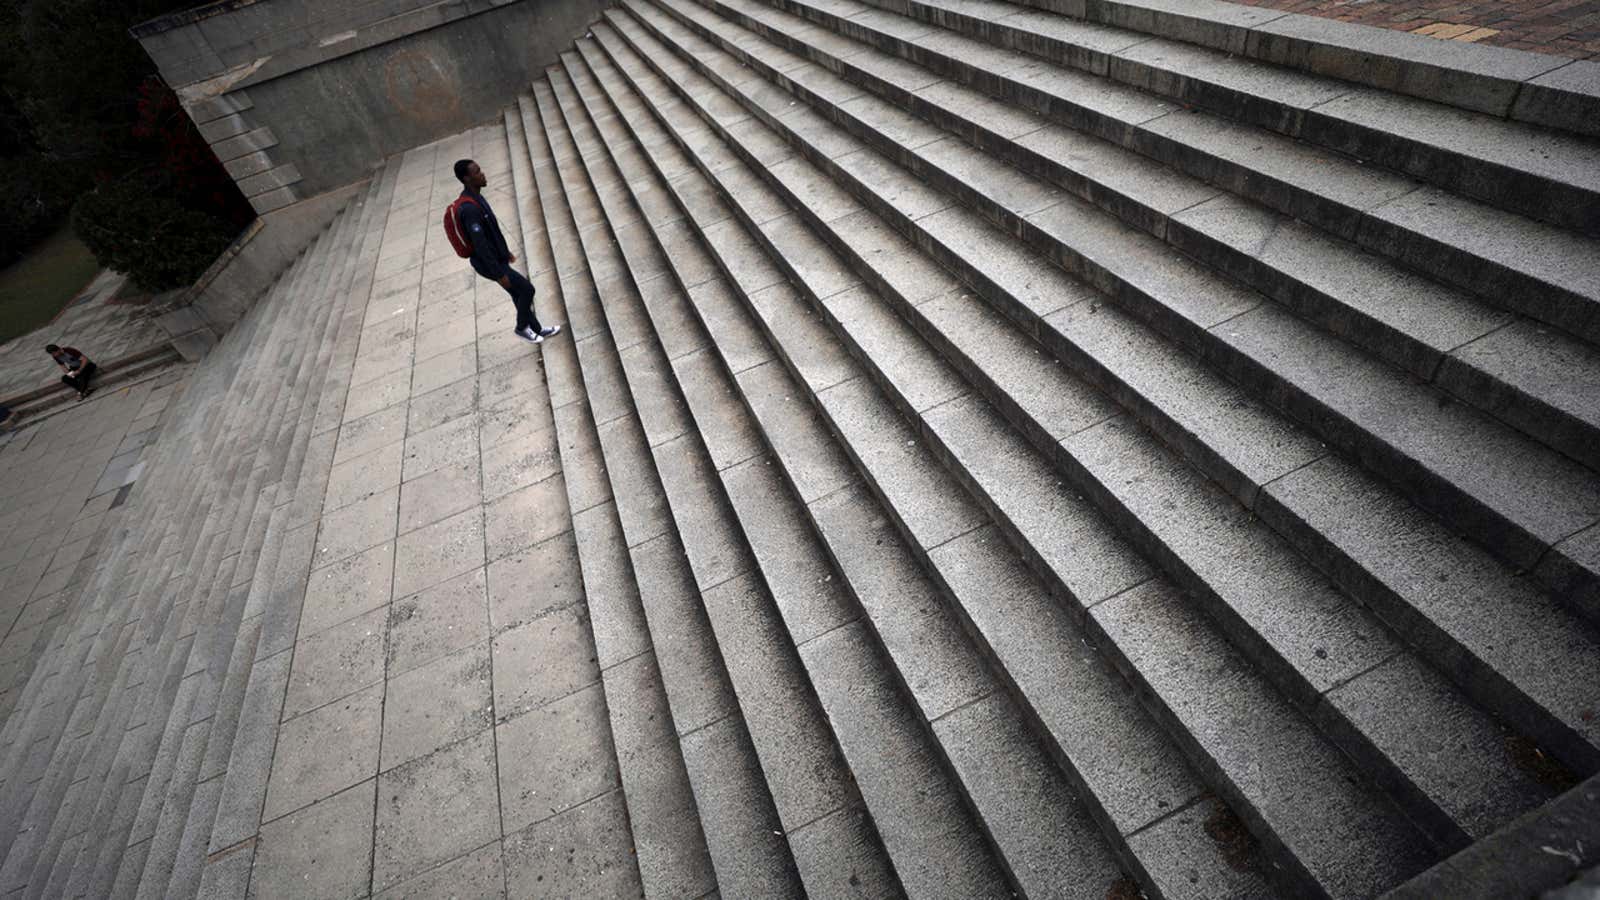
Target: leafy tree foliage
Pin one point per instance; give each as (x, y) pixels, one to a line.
(84, 110)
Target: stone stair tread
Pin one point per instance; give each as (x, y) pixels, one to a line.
(1406, 133)
(672, 850)
(1063, 219)
(990, 801)
(820, 292)
(930, 223)
(1557, 732)
(1035, 832)
(1391, 215)
(735, 810)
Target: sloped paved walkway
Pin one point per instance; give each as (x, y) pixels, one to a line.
(443, 638)
(1568, 28)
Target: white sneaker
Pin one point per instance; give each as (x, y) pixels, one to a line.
(528, 335)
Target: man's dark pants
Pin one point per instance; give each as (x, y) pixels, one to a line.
(521, 292)
(80, 381)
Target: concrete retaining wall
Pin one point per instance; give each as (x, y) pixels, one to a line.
(298, 97)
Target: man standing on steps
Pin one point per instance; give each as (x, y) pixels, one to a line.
(491, 258)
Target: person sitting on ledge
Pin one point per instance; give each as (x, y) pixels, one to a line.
(491, 258)
(77, 367)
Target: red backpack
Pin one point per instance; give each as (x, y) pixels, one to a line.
(452, 228)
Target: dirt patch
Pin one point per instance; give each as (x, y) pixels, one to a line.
(1539, 765)
(1235, 842)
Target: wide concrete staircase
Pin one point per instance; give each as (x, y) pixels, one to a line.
(1057, 460)
(141, 728)
(1009, 455)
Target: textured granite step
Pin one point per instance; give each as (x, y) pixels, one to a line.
(819, 811)
(735, 808)
(806, 257)
(1543, 173)
(837, 645)
(1516, 497)
(1531, 375)
(1506, 678)
(949, 236)
(1169, 854)
(672, 854)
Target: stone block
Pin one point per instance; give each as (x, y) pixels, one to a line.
(322, 850)
(240, 145)
(439, 620)
(273, 180)
(324, 752)
(1567, 97)
(555, 758)
(433, 809)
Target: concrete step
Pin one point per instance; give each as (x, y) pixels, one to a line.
(1045, 859)
(187, 824)
(1513, 165)
(1478, 489)
(211, 614)
(672, 854)
(799, 763)
(1511, 680)
(736, 811)
(1484, 355)
(48, 807)
(804, 262)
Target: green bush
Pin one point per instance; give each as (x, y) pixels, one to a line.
(34, 197)
(151, 238)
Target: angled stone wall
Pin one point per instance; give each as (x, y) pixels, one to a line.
(298, 97)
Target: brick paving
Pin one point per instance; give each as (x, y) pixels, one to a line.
(1568, 28)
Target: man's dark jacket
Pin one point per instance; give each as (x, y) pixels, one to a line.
(490, 255)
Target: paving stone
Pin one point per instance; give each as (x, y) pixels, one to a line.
(434, 809)
(514, 464)
(535, 581)
(544, 660)
(324, 850)
(436, 704)
(438, 620)
(439, 551)
(380, 394)
(347, 588)
(336, 662)
(455, 441)
(527, 516)
(479, 875)
(325, 751)
(446, 368)
(362, 525)
(441, 405)
(587, 851)
(362, 436)
(363, 476)
(440, 493)
(555, 757)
